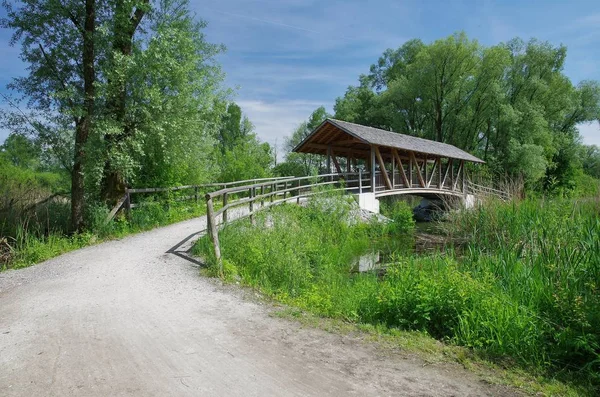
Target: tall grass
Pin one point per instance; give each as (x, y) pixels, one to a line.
(524, 289)
(543, 258)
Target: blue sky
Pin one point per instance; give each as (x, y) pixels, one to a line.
(287, 57)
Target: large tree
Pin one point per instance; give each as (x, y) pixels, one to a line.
(127, 89)
(58, 42)
(511, 104)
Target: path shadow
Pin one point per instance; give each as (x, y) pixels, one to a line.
(185, 254)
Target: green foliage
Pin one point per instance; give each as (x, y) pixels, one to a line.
(20, 190)
(510, 104)
(401, 215)
(525, 288)
(303, 164)
(247, 159)
(544, 258)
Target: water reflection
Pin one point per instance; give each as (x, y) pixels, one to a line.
(426, 239)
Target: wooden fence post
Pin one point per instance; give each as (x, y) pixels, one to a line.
(262, 194)
(360, 181)
(225, 200)
(128, 204)
(252, 205)
(196, 194)
(213, 231)
(298, 193)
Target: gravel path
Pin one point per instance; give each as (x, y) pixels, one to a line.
(126, 318)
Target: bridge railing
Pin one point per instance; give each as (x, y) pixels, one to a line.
(486, 191)
(259, 196)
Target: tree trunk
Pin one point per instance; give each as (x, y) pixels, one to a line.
(84, 126)
(126, 22)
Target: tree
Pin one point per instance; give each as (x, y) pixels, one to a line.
(20, 151)
(300, 164)
(128, 89)
(173, 103)
(126, 19)
(590, 159)
(58, 41)
(242, 155)
(509, 104)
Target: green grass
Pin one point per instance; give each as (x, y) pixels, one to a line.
(524, 292)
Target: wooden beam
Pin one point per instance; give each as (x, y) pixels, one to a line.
(386, 177)
(462, 177)
(454, 183)
(410, 172)
(440, 184)
(419, 175)
(401, 168)
(393, 172)
(451, 174)
(435, 162)
(372, 169)
(348, 142)
(425, 170)
(335, 162)
(448, 165)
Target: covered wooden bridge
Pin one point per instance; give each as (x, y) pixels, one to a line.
(390, 163)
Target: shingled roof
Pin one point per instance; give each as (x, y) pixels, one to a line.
(375, 136)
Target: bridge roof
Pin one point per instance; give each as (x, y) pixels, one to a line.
(355, 137)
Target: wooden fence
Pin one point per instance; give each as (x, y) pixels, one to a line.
(258, 194)
(196, 192)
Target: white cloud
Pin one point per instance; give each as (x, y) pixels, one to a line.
(274, 121)
(590, 132)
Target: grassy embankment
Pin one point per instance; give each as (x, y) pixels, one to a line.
(523, 292)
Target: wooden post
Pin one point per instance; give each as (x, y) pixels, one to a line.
(425, 171)
(405, 181)
(262, 193)
(360, 178)
(196, 194)
(328, 160)
(451, 174)
(225, 200)
(252, 205)
(410, 172)
(284, 190)
(440, 184)
(360, 181)
(213, 231)
(462, 176)
(298, 193)
(128, 204)
(384, 174)
(419, 176)
(348, 165)
(273, 191)
(393, 171)
(372, 169)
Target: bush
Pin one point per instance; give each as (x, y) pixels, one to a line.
(401, 215)
(525, 287)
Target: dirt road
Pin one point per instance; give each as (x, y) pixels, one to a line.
(126, 318)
